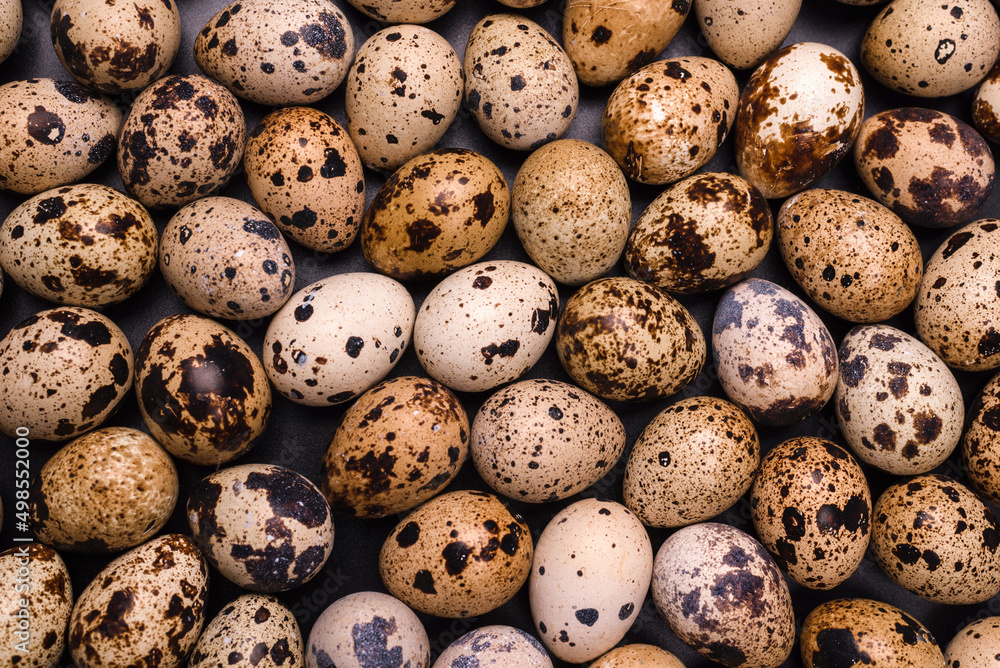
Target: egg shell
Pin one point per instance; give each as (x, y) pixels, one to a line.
(932, 49)
(461, 554)
(590, 575)
(338, 337)
(225, 259)
(977, 644)
(704, 233)
(957, 311)
(693, 461)
(669, 118)
(981, 443)
(898, 405)
(148, 605)
(81, 245)
(520, 85)
(252, 630)
(798, 116)
(51, 602)
(911, 162)
(11, 20)
(986, 106)
(264, 527)
(935, 537)
(437, 213)
(744, 35)
(404, 11)
(495, 645)
(779, 378)
(398, 445)
(108, 490)
(65, 372)
(57, 132)
(486, 325)
(202, 391)
(572, 210)
(721, 594)
(277, 52)
(638, 656)
(284, 153)
(543, 440)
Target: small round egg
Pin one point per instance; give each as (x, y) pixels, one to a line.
(11, 20)
(981, 444)
(253, 630)
(986, 106)
(977, 644)
(403, 11)
(496, 645)
(51, 602)
(743, 36)
(638, 656)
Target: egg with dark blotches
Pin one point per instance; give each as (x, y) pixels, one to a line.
(977, 644)
(252, 630)
(403, 11)
(638, 656)
(50, 605)
(986, 106)
(744, 35)
(981, 443)
(495, 645)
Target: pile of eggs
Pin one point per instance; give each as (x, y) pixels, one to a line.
(650, 342)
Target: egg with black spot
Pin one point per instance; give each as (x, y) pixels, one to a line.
(404, 11)
(743, 35)
(981, 443)
(253, 630)
(977, 644)
(986, 106)
(11, 20)
(636, 656)
(51, 602)
(495, 645)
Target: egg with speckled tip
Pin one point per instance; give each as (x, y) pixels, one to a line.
(978, 644)
(495, 645)
(11, 20)
(253, 630)
(743, 35)
(638, 656)
(981, 444)
(51, 603)
(986, 106)
(404, 11)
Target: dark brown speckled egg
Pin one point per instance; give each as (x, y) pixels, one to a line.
(981, 444)
(51, 604)
(252, 631)
(978, 644)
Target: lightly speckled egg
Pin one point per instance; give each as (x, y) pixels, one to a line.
(743, 35)
(486, 325)
(149, 602)
(461, 554)
(495, 645)
(81, 245)
(398, 445)
(65, 372)
(693, 461)
(981, 444)
(108, 490)
(986, 106)
(775, 357)
(253, 630)
(338, 337)
(543, 440)
(56, 132)
(519, 83)
(933, 536)
(638, 656)
(898, 405)
(589, 578)
(51, 599)
(798, 116)
(977, 644)
(11, 20)
(202, 391)
(719, 592)
(403, 11)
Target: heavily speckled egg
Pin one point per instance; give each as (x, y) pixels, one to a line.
(496, 645)
(692, 461)
(81, 245)
(461, 554)
(981, 444)
(978, 644)
(51, 598)
(253, 630)
(638, 656)
(398, 445)
(543, 440)
(743, 34)
(65, 371)
(403, 11)
(11, 19)
(775, 357)
(986, 106)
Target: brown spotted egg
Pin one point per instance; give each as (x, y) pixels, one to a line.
(981, 443)
(986, 106)
(496, 645)
(11, 19)
(742, 35)
(50, 594)
(638, 656)
(977, 644)
(403, 11)
(253, 630)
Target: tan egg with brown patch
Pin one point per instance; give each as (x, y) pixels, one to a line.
(11, 20)
(981, 444)
(977, 644)
(51, 601)
(253, 630)
(745, 34)
(986, 106)
(495, 645)
(404, 11)
(638, 656)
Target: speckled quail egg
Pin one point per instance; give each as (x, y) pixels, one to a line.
(935, 537)
(182, 139)
(115, 48)
(694, 460)
(403, 11)
(977, 644)
(265, 527)
(898, 404)
(638, 656)
(398, 445)
(56, 132)
(338, 337)
(277, 52)
(706, 232)
(36, 633)
(285, 152)
(519, 83)
(495, 645)
(775, 357)
(253, 630)
(108, 490)
(543, 440)
(146, 605)
(202, 391)
(743, 35)
(82, 245)
(981, 444)
(438, 212)
(11, 20)
(65, 371)
(986, 106)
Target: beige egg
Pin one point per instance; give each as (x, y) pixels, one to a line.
(986, 106)
(461, 554)
(798, 116)
(638, 656)
(108, 490)
(146, 605)
(202, 391)
(403, 11)
(81, 245)
(57, 132)
(932, 169)
(65, 372)
(704, 233)
(439, 212)
(496, 645)
(898, 404)
(519, 83)
(935, 537)
(693, 461)
(277, 52)
(977, 644)
(398, 445)
(11, 20)
(743, 35)
(36, 633)
(112, 48)
(284, 153)
(669, 118)
(543, 440)
(775, 357)
(252, 630)
(981, 443)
